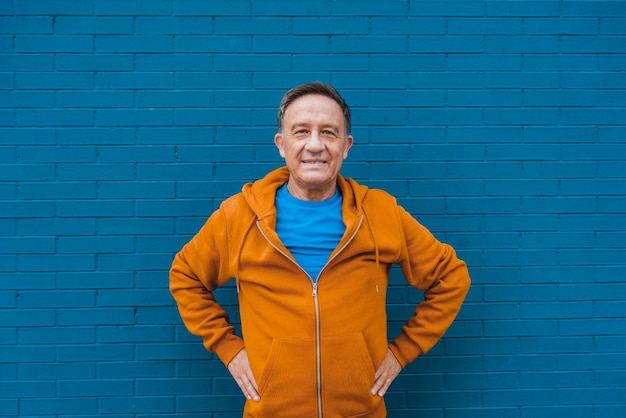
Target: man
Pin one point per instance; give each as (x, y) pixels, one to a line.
(310, 252)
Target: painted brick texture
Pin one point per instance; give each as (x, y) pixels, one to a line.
(501, 125)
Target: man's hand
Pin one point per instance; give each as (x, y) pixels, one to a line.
(239, 367)
(386, 373)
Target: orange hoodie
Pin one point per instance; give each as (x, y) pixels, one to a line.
(314, 348)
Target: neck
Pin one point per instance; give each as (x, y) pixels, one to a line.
(314, 195)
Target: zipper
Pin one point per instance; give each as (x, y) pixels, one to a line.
(318, 340)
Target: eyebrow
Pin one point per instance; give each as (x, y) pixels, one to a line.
(307, 125)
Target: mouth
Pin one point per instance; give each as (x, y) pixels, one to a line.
(314, 162)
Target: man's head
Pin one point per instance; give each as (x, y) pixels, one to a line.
(313, 138)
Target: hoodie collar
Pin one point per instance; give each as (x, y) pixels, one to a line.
(261, 194)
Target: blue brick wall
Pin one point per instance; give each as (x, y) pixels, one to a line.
(501, 125)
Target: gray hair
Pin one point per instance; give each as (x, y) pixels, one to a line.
(314, 87)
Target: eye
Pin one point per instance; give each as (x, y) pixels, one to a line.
(329, 133)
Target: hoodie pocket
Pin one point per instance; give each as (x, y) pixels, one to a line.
(347, 376)
(288, 382)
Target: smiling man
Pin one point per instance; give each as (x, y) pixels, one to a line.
(310, 252)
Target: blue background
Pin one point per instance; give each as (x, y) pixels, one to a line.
(501, 125)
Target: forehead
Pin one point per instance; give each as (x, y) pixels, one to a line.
(314, 107)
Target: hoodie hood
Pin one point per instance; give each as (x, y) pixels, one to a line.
(260, 195)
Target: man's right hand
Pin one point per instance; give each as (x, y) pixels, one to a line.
(239, 367)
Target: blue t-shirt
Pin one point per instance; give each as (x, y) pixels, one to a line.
(310, 230)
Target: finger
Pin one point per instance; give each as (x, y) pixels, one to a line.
(381, 384)
(249, 390)
(252, 387)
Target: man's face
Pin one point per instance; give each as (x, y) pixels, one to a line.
(314, 144)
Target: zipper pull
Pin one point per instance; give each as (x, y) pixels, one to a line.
(314, 290)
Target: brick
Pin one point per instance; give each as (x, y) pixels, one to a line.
(38, 407)
(609, 309)
(100, 245)
(174, 26)
(26, 99)
(66, 25)
(596, 80)
(144, 334)
(57, 335)
(26, 62)
(447, 8)
(178, 99)
(612, 25)
(25, 25)
(485, 26)
(195, 117)
(600, 44)
(121, 298)
(109, 136)
(213, 44)
(203, 8)
(519, 8)
(516, 396)
(554, 26)
(137, 370)
(134, 80)
(134, 117)
(484, 205)
(137, 190)
(55, 226)
(54, 117)
(522, 187)
(51, 371)
(27, 317)
(200, 404)
(560, 205)
(129, 44)
(121, 262)
(96, 172)
(94, 62)
(550, 411)
(28, 245)
(160, 387)
(134, 7)
(313, 26)
(416, 61)
(558, 240)
(26, 209)
(51, 44)
(561, 345)
(142, 226)
(30, 155)
(62, 7)
(41, 263)
(541, 62)
(551, 379)
(95, 280)
(491, 169)
(94, 208)
(171, 62)
(97, 316)
(164, 351)
(26, 389)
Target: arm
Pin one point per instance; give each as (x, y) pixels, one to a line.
(434, 268)
(197, 270)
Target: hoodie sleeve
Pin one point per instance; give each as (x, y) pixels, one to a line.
(197, 270)
(432, 267)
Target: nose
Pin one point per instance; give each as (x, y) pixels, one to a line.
(314, 143)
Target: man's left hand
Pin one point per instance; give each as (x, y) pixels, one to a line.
(386, 373)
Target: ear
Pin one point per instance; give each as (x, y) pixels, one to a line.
(278, 140)
(348, 145)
